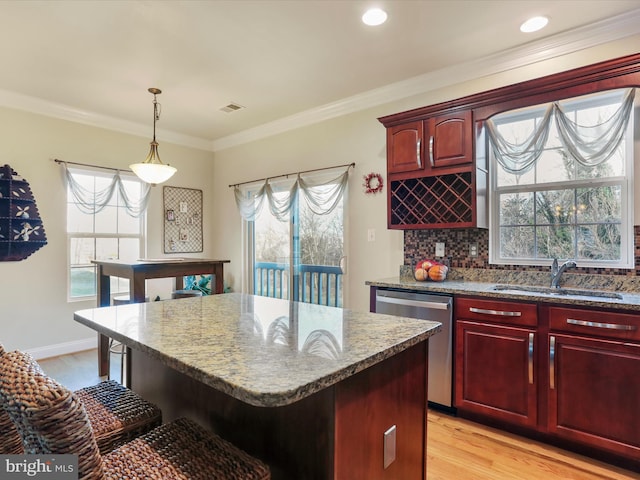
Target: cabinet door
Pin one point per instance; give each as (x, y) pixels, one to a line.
(594, 392)
(404, 148)
(495, 372)
(450, 139)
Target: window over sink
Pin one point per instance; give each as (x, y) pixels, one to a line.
(562, 182)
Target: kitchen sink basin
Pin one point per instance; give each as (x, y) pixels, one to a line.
(567, 292)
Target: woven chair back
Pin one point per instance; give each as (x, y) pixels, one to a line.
(49, 417)
(10, 441)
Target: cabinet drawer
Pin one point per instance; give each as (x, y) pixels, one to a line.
(599, 323)
(511, 313)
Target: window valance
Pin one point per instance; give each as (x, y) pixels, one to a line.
(589, 145)
(322, 196)
(93, 202)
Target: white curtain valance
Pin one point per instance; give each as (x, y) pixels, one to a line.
(321, 201)
(589, 145)
(91, 202)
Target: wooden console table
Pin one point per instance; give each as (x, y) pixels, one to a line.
(141, 270)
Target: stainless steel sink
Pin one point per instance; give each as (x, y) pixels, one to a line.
(567, 292)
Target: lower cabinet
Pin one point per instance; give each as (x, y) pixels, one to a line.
(567, 374)
(594, 383)
(496, 342)
(495, 373)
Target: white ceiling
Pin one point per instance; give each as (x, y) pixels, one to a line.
(287, 62)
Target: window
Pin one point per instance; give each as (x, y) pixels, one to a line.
(109, 234)
(558, 207)
(296, 244)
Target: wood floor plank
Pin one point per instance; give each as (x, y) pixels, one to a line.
(460, 449)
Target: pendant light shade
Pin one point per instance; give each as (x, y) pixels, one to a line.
(152, 170)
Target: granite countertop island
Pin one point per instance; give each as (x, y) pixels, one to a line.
(576, 288)
(311, 390)
(263, 351)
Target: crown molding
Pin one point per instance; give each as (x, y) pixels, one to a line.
(59, 111)
(615, 28)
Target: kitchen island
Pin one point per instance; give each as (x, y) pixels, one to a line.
(316, 392)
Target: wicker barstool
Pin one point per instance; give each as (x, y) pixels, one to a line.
(10, 442)
(52, 419)
(116, 414)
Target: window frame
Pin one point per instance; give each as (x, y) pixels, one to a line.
(626, 184)
(118, 286)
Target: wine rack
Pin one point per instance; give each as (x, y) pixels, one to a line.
(436, 201)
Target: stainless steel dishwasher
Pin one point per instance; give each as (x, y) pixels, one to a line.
(427, 306)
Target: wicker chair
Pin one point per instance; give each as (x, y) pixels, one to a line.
(52, 420)
(117, 415)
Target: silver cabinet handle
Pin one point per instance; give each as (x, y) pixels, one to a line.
(495, 312)
(552, 362)
(610, 326)
(431, 149)
(414, 303)
(531, 338)
(418, 154)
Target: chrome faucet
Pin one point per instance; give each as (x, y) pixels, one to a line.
(556, 272)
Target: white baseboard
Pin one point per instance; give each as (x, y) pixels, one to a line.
(63, 348)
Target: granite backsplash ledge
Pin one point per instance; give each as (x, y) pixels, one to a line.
(615, 283)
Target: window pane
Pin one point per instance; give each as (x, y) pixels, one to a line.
(81, 251)
(516, 242)
(83, 282)
(106, 248)
(599, 242)
(107, 220)
(516, 209)
(599, 205)
(129, 249)
(555, 207)
(126, 223)
(554, 167)
(555, 242)
(507, 179)
(78, 222)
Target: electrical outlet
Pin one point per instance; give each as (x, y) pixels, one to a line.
(439, 249)
(371, 235)
(473, 249)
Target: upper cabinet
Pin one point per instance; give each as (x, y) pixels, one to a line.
(404, 148)
(430, 144)
(431, 174)
(450, 139)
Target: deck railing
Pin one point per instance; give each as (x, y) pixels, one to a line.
(319, 284)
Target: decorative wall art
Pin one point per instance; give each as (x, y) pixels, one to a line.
(373, 183)
(182, 220)
(21, 229)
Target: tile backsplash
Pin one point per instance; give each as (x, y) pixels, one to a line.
(420, 244)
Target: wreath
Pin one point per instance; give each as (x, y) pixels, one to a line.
(373, 183)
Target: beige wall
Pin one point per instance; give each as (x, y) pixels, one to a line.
(359, 138)
(35, 312)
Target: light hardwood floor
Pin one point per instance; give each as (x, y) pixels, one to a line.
(457, 449)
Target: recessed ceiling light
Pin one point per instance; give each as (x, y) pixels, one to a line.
(534, 24)
(374, 16)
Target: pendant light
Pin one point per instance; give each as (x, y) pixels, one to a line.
(152, 170)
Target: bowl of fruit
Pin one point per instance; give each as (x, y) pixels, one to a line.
(430, 270)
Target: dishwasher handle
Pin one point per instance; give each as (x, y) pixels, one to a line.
(414, 303)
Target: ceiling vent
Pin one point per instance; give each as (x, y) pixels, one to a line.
(232, 107)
